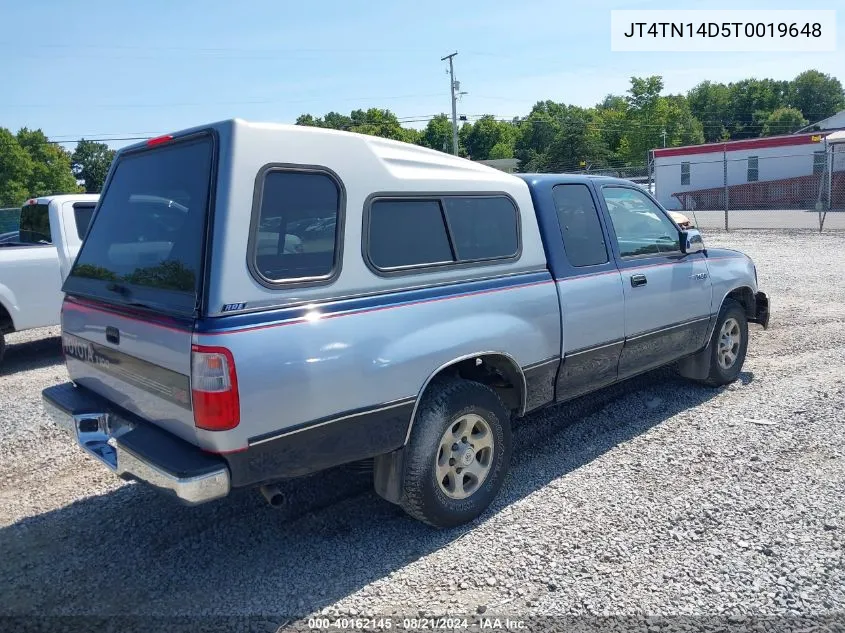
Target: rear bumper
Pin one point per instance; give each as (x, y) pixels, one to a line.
(761, 310)
(134, 449)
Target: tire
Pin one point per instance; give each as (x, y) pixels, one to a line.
(732, 318)
(2, 347)
(461, 495)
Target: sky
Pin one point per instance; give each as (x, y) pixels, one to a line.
(100, 68)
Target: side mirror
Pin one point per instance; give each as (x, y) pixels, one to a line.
(691, 242)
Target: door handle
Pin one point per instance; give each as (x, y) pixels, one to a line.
(113, 335)
(638, 280)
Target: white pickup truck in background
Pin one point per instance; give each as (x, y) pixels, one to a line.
(34, 263)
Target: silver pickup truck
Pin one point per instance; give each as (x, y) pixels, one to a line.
(310, 298)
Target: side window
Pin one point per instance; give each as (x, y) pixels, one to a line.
(819, 162)
(641, 227)
(580, 229)
(408, 233)
(483, 227)
(753, 169)
(82, 215)
(296, 237)
(419, 232)
(685, 173)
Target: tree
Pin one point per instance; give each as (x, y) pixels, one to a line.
(463, 139)
(710, 103)
(438, 134)
(612, 121)
(650, 115)
(816, 95)
(501, 150)
(375, 122)
(784, 121)
(91, 162)
(535, 135)
(752, 101)
(51, 173)
(575, 143)
(486, 133)
(15, 170)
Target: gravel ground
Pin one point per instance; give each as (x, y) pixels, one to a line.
(654, 498)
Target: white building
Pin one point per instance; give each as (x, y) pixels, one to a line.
(507, 165)
(770, 172)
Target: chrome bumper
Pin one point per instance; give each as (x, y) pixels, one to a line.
(99, 434)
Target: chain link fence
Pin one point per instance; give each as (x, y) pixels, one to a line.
(798, 187)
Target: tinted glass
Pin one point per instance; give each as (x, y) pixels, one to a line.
(641, 227)
(407, 233)
(753, 169)
(82, 215)
(149, 233)
(685, 172)
(35, 224)
(819, 162)
(583, 239)
(483, 228)
(297, 226)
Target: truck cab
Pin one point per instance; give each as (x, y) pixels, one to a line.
(36, 261)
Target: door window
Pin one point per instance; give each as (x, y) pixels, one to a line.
(583, 239)
(641, 227)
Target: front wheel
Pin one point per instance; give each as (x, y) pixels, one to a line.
(728, 344)
(2, 347)
(458, 455)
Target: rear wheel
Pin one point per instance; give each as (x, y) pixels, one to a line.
(728, 344)
(2, 346)
(458, 454)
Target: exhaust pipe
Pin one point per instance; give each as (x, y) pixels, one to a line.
(274, 495)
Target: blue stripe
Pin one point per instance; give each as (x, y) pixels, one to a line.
(278, 316)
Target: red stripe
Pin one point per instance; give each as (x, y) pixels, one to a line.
(733, 146)
(93, 307)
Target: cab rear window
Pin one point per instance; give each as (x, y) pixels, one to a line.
(35, 224)
(145, 243)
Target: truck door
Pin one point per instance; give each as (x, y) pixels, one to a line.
(36, 277)
(590, 293)
(667, 293)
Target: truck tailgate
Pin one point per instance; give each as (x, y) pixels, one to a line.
(138, 362)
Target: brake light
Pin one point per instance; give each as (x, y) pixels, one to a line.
(158, 140)
(214, 388)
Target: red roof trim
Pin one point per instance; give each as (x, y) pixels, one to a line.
(751, 143)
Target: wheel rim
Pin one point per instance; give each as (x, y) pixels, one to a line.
(730, 338)
(465, 456)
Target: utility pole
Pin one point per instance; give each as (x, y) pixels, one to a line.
(453, 86)
(664, 137)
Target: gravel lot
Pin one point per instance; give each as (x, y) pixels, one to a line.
(654, 498)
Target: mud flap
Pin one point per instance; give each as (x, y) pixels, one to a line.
(697, 366)
(761, 310)
(387, 475)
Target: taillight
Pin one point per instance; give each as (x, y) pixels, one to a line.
(214, 388)
(159, 140)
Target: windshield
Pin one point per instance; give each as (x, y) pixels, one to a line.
(145, 243)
